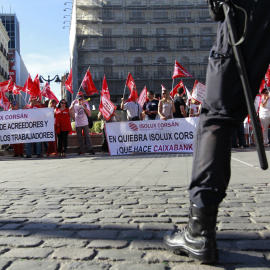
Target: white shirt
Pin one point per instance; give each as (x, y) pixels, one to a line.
(132, 109)
(80, 114)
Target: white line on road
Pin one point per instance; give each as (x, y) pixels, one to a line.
(245, 163)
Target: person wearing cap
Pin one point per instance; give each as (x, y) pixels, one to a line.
(82, 110)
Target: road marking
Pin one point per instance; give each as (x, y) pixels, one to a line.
(244, 163)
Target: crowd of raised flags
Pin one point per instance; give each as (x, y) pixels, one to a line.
(106, 107)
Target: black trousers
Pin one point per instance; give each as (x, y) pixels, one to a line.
(62, 141)
(224, 106)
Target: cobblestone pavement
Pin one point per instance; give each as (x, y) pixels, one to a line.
(102, 212)
(122, 228)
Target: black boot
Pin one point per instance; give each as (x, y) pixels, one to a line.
(198, 238)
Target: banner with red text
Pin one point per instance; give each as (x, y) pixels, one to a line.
(198, 91)
(27, 126)
(152, 136)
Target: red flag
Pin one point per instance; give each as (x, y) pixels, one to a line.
(10, 85)
(267, 77)
(28, 84)
(68, 82)
(179, 71)
(130, 83)
(36, 87)
(47, 92)
(16, 89)
(3, 86)
(263, 85)
(105, 90)
(143, 96)
(4, 102)
(174, 91)
(106, 107)
(88, 84)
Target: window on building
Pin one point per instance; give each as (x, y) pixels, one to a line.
(206, 42)
(106, 31)
(185, 42)
(206, 30)
(183, 14)
(204, 14)
(184, 31)
(160, 14)
(107, 14)
(162, 69)
(108, 69)
(138, 66)
(136, 14)
(161, 31)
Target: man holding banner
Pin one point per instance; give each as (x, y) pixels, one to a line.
(224, 107)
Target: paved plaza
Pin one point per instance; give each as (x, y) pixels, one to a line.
(111, 212)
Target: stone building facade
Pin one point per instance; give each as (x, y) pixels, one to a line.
(4, 64)
(141, 37)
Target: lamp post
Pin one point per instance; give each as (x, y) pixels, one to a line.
(55, 79)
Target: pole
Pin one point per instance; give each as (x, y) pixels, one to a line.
(246, 87)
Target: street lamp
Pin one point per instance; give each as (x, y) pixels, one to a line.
(55, 79)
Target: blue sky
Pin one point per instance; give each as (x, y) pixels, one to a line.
(44, 42)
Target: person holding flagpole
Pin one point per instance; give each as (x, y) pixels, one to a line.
(224, 108)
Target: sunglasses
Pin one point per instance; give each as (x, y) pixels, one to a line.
(63, 102)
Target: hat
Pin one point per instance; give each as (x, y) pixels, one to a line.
(79, 95)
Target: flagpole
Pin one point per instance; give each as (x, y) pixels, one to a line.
(82, 80)
(172, 83)
(124, 91)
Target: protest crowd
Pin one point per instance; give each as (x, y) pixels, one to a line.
(164, 105)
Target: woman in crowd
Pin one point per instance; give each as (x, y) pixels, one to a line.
(264, 114)
(63, 126)
(166, 106)
(52, 147)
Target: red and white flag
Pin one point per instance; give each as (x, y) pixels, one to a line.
(16, 89)
(174, 91)
(3, 86)
(198, 91)
(143, 96)
(35, 90)
(130, 83)
(179, 71)
(263, 85)
(28, 85)
(88, 84)
(4, 102)
(106, 107)
(105, 90)
(68, 82)
(10, 85)
(47, 92)
(267, 77)
(163, 87)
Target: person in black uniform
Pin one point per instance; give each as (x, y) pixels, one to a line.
(223, 109)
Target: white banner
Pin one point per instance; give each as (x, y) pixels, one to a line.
(198, 92)
(153, 136)
(26, 126)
